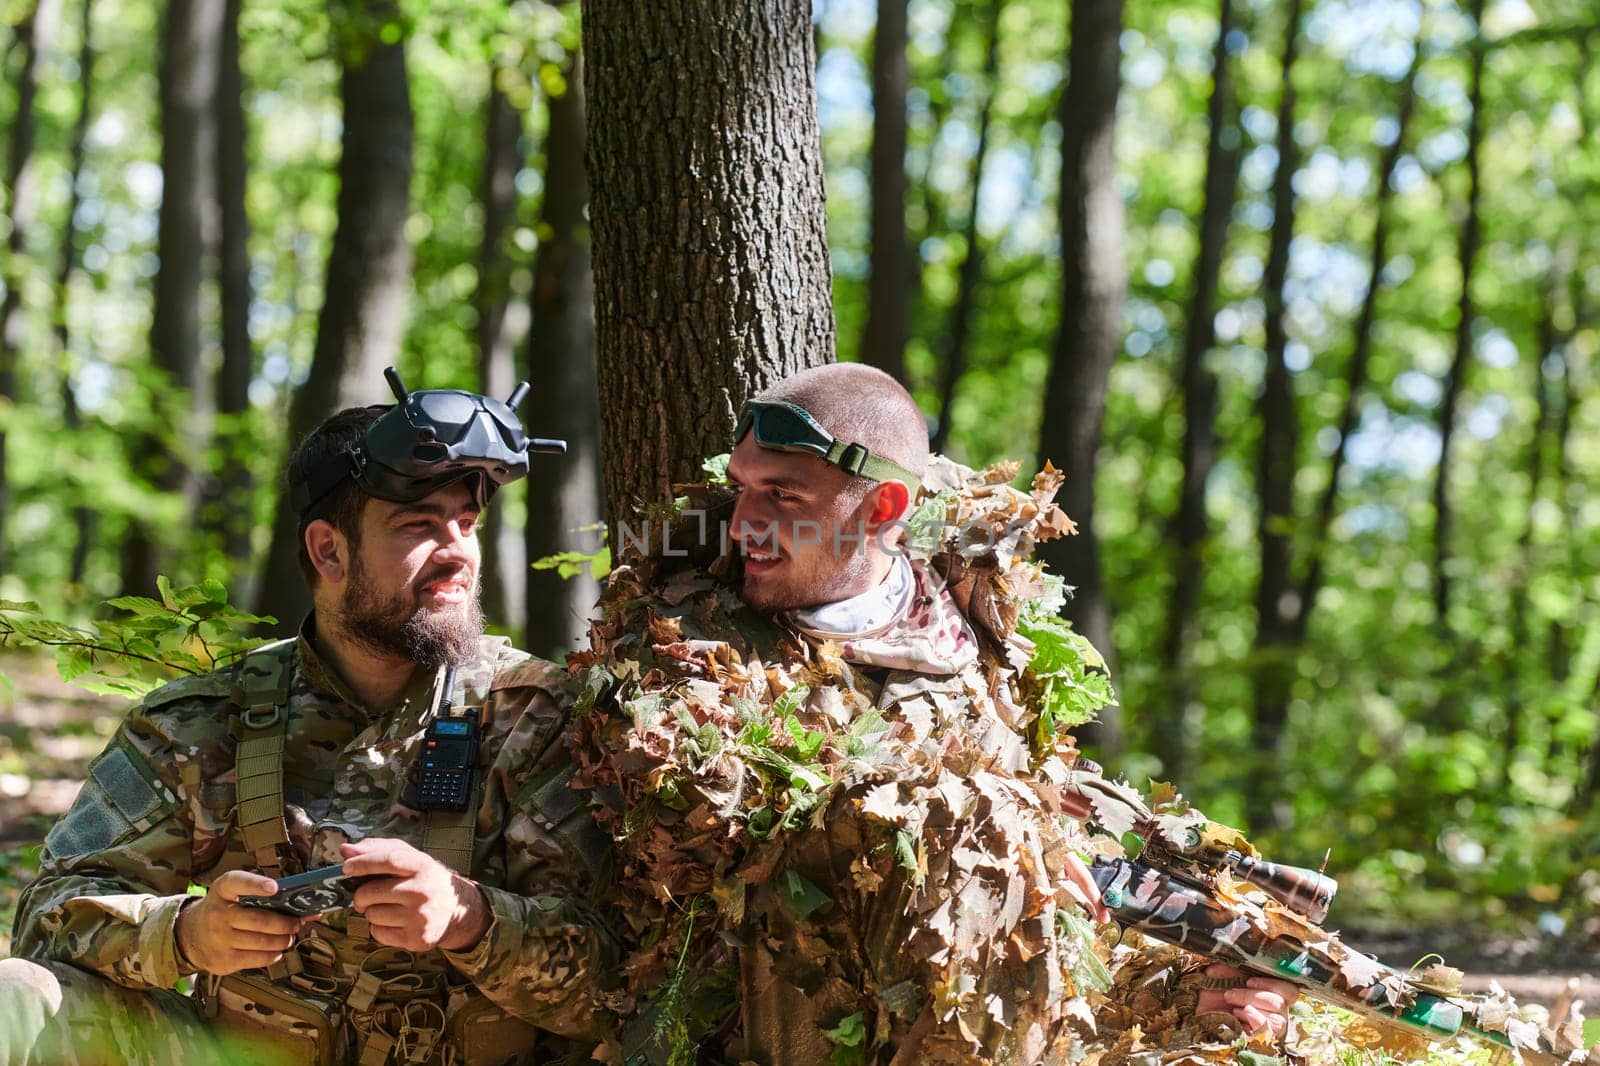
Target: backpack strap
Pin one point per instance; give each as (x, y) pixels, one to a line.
(262, 696)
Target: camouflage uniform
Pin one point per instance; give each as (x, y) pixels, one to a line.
(161, 811)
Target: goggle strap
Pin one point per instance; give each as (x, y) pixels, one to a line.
(307, 496)
(857, 461)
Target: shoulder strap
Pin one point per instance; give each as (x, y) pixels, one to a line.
(448, 835)
(262, 696)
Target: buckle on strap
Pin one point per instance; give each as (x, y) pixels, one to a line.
(853, 459)
(274, 712)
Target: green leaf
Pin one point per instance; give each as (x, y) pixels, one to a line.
(849, 1039)
(164, 586)
(800, 897)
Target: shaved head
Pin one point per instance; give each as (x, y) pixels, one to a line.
(861, 405)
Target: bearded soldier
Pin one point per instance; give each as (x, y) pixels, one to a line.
(836, 797)
(387, 740)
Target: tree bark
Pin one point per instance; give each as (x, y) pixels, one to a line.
(565, 398)
(82, 515)
(883, 341)
(1094, 280)
(1471, 237)
(970, 272)
(1190, 528)
(1276, 600)
(497, 371)
(369, 267)
(33, 35)
(231, 486)
(187, 246)
(711, 261)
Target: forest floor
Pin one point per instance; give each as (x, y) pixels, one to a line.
(49, 731)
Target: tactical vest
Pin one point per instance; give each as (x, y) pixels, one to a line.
(343, 997)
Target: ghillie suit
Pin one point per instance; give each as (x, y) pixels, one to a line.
(845, 851)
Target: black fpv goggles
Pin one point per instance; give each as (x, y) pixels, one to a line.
(430, 439)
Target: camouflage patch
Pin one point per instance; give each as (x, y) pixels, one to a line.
(92, 825)
(125, 786)
(552, 803)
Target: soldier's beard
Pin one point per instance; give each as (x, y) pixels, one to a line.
(399, 626)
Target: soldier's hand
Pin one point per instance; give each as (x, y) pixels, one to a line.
(1081, 886)
(1262, 1004)
(220, 937)
(417, 902)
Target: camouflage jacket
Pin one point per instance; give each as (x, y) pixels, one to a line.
(158, 814)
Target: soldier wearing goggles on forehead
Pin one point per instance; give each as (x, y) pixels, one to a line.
(826, 465)
(314, 752)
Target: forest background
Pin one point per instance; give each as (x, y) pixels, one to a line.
(1301, 294)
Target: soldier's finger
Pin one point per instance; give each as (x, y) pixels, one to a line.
(382, 856)
(1263, 1000)
(260, 921)
(375, 892)
(235, 883)
(1286, 991)
(390, 916)
(1254, 1020)
(1222, 969)
(244, 940)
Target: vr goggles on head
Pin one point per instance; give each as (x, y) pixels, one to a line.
(430, 439)
(788, 427)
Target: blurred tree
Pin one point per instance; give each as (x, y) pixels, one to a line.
(231, 481)
(167, 454)
(82, 514)
(497, 371)
(369, 265)
(883, 342)
(711, 258)
(1094, 281)
(33, 36)
(565, 399)
(1471, 237)
(1277, 460)
(1198, 384)
(958, 335)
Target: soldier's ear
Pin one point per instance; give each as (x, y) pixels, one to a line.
(329, 551)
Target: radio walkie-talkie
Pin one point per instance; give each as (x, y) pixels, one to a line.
(449, 755)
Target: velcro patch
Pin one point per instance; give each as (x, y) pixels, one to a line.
(125, 786)
(92, 825)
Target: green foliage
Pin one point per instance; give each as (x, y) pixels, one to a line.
(849, 1039)
(1066, 673)
(191, 630)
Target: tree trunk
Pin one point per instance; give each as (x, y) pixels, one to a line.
(232, 485)
(497, 371)
(1094, 280)
(33, 34)
(187, 246)
(1551, 341)
(1471, 237)
(1276, 603)
(711, 260)
(369, 267)
(1170, 741)
(82, 515)
(564, 492)
(970, 273)
(1361, 352)
(883, 341)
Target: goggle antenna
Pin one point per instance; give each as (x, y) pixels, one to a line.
(518, 394)
(396, 386)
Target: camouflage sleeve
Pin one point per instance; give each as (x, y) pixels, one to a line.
(547, 946)
(115, 868)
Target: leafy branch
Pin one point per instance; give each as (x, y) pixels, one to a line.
(144, 643)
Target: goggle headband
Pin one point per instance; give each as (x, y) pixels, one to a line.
(788, 427)
(430, 439)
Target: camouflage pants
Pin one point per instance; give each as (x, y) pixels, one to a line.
(52, 1013)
